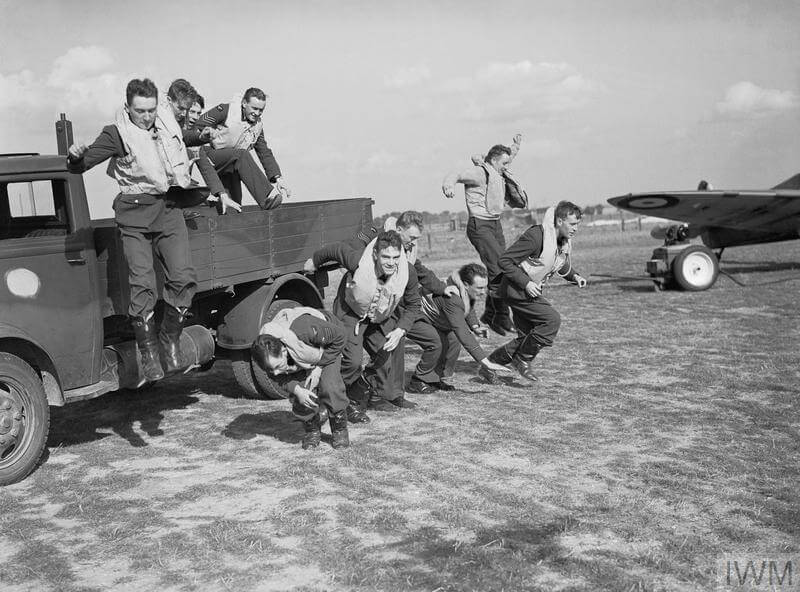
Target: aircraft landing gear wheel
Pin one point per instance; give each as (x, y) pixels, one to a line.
(695, 268)
(24, 419)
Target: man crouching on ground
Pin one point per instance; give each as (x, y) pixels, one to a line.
(302, 348)
(379, 280)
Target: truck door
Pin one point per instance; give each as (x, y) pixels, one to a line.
(49, 273)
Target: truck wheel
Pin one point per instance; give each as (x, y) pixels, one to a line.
(695, 268)
(255, 381)
(24, 419)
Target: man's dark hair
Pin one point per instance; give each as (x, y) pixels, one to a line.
(141, 88)
(254, 92)
(388, 238)
(200, 101)
(565, 208)
(181, 90)
(468, 272)
(265, 345)
(495, 151)
(410, 218)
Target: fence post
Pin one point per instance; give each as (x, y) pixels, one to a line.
(621, 222)
(429, 241)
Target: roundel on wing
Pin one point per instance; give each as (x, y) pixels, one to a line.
(649, 202)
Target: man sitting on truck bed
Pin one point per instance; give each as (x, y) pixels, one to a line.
(237, 130)
(151, 166)
(302, 348)
(181, 98)
(379, 281)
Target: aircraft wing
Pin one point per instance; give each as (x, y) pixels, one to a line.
(773, 210)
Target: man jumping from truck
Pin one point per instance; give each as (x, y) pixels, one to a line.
(237, 129)
(151, 166)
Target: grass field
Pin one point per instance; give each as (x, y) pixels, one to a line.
(663, 434)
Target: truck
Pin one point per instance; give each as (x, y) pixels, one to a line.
(65, 335)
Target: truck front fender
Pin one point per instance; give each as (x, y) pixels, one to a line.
(244, 315)
(14, 340)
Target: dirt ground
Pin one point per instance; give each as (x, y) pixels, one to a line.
(664, 433)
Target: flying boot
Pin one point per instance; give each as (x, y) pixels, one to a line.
(146, 340)
(523, 363)
(170, 337)
(358, 393)
(502, 355)
(339, 433)
(313, 434)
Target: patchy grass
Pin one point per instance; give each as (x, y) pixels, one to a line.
(664, 433)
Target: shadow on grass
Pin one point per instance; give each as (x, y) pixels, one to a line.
(281, 425)
(517, 555)
(760, 266)
(78, 423)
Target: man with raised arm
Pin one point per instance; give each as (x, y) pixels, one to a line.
(485, 192)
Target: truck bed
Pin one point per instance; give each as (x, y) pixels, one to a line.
(239, 247)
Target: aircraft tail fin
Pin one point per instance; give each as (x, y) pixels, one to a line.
(790, 183)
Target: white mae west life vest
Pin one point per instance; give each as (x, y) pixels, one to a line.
(487, 201)
(305, 356)
(155, 159)
(369, 297)
(237, 133)
(552, 258)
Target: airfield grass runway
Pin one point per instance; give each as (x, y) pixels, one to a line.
(663, 434)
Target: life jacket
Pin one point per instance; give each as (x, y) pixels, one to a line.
(150, 165)
(486, 201)
(391, 224)
(236, 132)
(552, 258)
(514, 195)
(367, 296)
(305, 356)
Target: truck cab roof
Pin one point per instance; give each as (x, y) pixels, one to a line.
(22, 163)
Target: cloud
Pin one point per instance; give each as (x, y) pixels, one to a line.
(78, 63)
(745, 100)
(522, 90)
(82, 82)
(20, 89)
(405, 77)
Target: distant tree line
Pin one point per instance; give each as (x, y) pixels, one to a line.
(445, 216)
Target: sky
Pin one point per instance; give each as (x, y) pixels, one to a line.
(382, 99)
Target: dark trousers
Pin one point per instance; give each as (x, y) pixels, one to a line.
(427, 337)
(331, 391)
(488, 239)
(537, 324)
(234, 165)
(149, 226)
(451, 349)
(369, 337)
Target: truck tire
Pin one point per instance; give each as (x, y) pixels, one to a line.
(24, 419)
(253, 380)
(695, 268)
